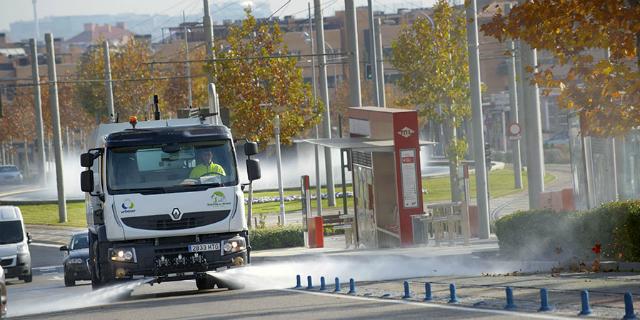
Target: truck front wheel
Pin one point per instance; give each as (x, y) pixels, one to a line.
(101, 274)
(205, 282)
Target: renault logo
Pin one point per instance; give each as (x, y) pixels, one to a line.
(176, 214)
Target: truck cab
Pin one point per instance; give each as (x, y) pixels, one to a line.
(164, 200)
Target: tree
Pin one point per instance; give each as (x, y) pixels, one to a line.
(433, 62)
(128, 68)
(256, 89)
(606, 92)
(176, 94)
(19, 122)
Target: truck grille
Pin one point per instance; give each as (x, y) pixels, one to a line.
(164, 222)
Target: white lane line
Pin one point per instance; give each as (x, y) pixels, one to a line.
(435, 305)
(50, 245)
(6, 194)
(47, 268)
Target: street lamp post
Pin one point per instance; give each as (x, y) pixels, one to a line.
(276, 129)
(187, 65)
(316, 149)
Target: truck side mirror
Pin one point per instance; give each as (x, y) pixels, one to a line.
(250, 148)
(253, 169)
(86, 159)
(86, 181)
(64, 248)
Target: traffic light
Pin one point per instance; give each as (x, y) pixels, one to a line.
(368, 71)
(487, 154)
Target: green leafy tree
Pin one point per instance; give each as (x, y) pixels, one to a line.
(255, 90)
(605, 92)
(129, 68)
(433, 62)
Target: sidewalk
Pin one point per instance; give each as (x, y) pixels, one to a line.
(606, 291)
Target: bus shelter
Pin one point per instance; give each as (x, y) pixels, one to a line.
(383, 154)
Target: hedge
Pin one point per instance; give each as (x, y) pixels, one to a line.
(567, 235)
(278, 237)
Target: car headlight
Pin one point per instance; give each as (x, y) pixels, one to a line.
(233, 245)
(75, 261)
(123, 254)
(23, 248)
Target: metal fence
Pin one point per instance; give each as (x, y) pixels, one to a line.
(604, 169)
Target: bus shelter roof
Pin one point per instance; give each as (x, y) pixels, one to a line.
(359, 144)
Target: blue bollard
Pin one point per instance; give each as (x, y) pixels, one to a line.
(298, 282)
(628, 307)
(452, 291)
(407, 293)
(323, 286)
(352, 286)
(309, 283)
(544, 300)
(427, 292)
(510, 304)
(337, 289)
(584, 298)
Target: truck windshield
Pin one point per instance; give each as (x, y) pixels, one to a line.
(170, 167)
(11, 232)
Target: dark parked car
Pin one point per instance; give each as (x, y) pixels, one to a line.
(10, 174)
(76, 266)
(3, 294)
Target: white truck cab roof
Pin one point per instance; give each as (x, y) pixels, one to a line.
(10, 213)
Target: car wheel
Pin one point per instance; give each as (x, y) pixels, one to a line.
(28, 278)
(68, 281)
(206, 282)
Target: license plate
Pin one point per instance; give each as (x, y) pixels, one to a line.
(204, 247)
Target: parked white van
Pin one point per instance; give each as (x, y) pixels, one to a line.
(15, 257)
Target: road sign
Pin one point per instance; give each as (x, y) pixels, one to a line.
(514, 131)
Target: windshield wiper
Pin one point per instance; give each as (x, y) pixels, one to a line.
(141, 190)
(191, 187)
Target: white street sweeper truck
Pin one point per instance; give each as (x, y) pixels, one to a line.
(164, 200)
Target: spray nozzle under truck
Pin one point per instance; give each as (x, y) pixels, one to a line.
(152, 213)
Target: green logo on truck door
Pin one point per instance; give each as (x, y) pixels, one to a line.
(218, 199)
(127, 206)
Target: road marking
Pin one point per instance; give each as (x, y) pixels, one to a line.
(47, 268)
(435, 305)
(50, 245)
(5, 194)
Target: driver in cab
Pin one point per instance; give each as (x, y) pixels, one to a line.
(205, 165)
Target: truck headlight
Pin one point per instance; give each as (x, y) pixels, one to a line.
(233, 245)
(123, 254)
(75, 261)
(22, 248)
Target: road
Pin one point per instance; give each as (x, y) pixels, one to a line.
(47, 298)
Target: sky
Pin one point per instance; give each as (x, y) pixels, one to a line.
(22, 10)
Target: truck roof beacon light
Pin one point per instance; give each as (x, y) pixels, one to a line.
(133, 120)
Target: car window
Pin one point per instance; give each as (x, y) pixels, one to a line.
(8, 169)
(79, 242)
